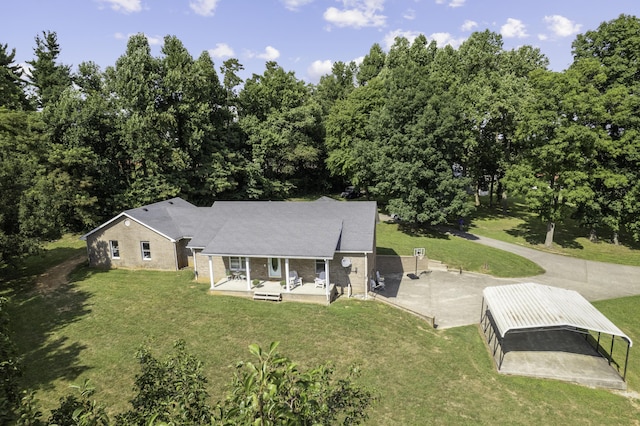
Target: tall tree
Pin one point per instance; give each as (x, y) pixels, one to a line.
(371, 65)
(48, 77)
(556, 145)
(607, 60)
(24, 223)
(135, 82)
(282, 122)
(12, 85)
(416, 138)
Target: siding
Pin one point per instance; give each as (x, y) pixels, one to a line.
(163, 251)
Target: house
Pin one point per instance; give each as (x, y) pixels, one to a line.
(246, 241)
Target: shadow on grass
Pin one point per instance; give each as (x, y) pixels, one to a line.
(39, 313)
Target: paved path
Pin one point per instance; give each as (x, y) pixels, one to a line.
(456, 299)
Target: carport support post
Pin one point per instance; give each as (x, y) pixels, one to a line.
(613, 339)
(626, 361)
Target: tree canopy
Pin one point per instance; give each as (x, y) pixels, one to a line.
(418, 128)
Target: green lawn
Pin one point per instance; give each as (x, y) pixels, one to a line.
(92, 328)
(454, 251)
(519, 226)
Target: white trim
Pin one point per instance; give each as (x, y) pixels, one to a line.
(109, 222)
(142, 250)
(111, 249)
(211, 280)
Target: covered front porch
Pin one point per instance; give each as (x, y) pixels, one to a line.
(305, 292)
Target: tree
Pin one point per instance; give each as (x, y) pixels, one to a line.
(172, 390)
(606, 60)
(10, 369)
(274, 391)
(371, 65)
(23, 224)
(135, 83)
(556, 145)
(282, 124)
(48, 77)
(12, 95)
(416, 137)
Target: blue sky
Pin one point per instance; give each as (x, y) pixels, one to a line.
(304, 36)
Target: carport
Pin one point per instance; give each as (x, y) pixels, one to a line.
(542, 331)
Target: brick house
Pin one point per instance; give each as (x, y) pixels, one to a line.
(257, 240)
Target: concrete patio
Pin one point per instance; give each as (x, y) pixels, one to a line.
(307, 292)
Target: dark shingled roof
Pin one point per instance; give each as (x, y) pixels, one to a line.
(315, 229)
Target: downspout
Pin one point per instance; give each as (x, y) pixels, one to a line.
(211, 273)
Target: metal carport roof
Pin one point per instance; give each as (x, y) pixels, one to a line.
(535, 306)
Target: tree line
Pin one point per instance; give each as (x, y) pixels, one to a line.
(419, 128)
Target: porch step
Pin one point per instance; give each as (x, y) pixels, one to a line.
(276, 297)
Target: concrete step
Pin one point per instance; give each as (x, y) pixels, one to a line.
(436, 265)
(276, 297)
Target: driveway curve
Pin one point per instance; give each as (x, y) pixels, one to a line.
(455, 299)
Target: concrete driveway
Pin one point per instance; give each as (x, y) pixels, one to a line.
(455, 299)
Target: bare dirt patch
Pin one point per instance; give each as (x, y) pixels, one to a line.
(57, 276)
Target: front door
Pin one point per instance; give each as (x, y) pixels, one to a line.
(274, 267)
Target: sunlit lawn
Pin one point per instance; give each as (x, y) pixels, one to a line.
(92, 328)
(454, 251)
(519, 226)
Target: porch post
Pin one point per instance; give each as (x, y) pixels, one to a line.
(326, 276)
(248, 271)
(211, 280)
(366, 276)
(286, 273)
(195, 264)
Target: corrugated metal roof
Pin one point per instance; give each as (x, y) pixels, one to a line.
(531, 306)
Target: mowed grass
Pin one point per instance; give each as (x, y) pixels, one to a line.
(92, 328)
(456, 252)
(519, 226)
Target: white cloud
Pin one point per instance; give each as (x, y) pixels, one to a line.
(295, 4)
(270, 54)
(410, 15)
(124, 6)
(514, 28)
(222, 50)
(153, 40)
(359, 60)
(357, 14)
(203, 7)
(469, 25)
(443, 39)
(561, 26)
(452, 3)
(319, 68)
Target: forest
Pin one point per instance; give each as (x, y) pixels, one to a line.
(419, 128)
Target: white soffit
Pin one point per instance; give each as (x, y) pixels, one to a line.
(531, 306)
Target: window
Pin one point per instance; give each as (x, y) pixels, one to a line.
(146, 250)
(319, 266)
(114, 249)
(237, 263)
